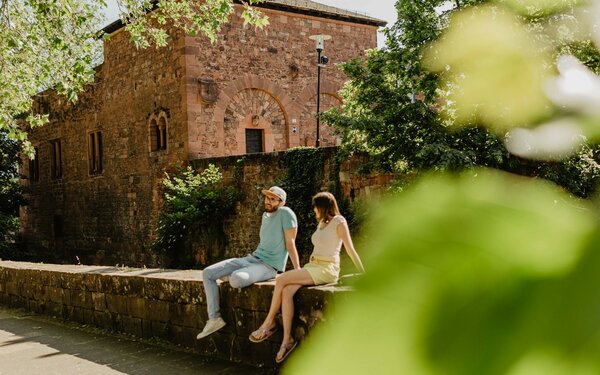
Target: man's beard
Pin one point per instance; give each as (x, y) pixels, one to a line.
(271, 208)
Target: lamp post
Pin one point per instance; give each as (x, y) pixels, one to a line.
(321, 62)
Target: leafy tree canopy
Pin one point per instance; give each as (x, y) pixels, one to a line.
(53, 44)
(454, 79)
(10, 191)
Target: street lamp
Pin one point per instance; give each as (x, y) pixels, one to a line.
(321, 62)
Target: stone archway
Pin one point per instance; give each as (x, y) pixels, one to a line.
(252, 102)
(254, 110)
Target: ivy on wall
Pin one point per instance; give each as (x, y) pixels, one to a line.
(304, 178)
(195, 207)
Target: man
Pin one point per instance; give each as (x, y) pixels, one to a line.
(277, 239)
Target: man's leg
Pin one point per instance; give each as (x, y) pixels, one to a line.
(211, 274)
(253, 273)
(209, 277)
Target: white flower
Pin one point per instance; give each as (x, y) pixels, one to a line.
(551, 141)
(576, 88)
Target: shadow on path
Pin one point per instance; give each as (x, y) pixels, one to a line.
(33, 344)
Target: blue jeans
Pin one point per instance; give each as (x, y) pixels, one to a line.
(242, 271)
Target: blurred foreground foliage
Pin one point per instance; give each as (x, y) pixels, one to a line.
(450, 84)
(478, 273)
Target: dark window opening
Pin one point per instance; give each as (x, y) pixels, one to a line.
(158, 134)
(254, 141)
(95, 152)
(56, 160)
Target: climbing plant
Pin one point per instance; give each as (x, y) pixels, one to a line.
(195, 206)
(303, 179)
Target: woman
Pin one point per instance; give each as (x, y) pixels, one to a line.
(323, 268)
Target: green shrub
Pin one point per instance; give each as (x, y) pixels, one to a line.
(195, 207)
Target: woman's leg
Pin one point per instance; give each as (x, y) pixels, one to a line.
(287, 311)
(298, 277)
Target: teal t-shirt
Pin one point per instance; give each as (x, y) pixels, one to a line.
(271, 248)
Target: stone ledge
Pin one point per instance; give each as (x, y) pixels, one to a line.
(167, 304)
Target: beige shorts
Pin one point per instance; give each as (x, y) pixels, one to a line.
(323, 270)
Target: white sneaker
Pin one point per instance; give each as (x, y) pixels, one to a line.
(212, 326)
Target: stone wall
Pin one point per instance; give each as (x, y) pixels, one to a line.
(104, 217)
(252, 173)
(266, 80)
(165, 304)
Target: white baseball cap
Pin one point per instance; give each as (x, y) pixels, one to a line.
(276, 192)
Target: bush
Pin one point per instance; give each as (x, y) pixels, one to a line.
(195, 206)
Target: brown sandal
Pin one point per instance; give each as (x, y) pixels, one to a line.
(262, 334)
(287, 348)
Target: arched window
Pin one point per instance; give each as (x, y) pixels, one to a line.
(158, 132)
(162, 128)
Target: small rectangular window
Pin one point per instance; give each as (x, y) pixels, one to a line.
(34, 167)
(254, 141)
(56, 159)
(95, 152)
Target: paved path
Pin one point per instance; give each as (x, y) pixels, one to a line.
(38, 345)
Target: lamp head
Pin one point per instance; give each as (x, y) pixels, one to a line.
(320, 41)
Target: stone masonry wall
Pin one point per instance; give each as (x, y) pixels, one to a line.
(104, 218)
(252, 173)
(165, 304)
(266, 80)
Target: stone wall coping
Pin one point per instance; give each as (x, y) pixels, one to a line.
(151, 273)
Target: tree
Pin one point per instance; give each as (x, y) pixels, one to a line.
(10, 191)
(53, 44)
(403, 112)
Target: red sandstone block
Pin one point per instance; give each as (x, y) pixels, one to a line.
(99, 301)
(77, 315)
(103, 319)
(88, 316)
(187, 315)
(12, 288)
(116, 303)
(153, 288)
(192, 292)
(132, 326)
(82, 298)
(157, 311)
(72, 281)
(133, 286)
(91, 282)
(136, 307)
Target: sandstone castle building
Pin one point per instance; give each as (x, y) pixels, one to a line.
(93, 188)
